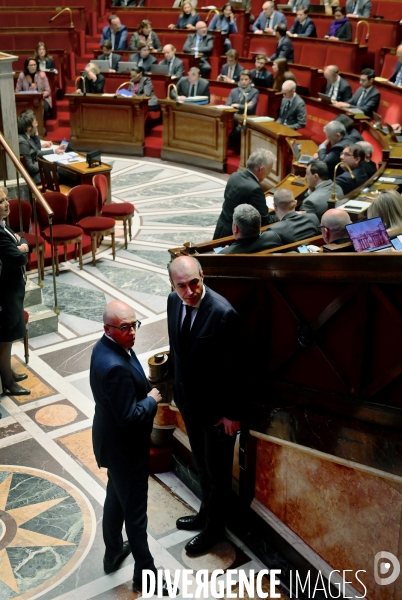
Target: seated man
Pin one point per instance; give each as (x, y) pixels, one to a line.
(190, 86)
(116, 33)
(108, 55)
(320, 188)
(200, 42)
(176, 66)
(94, 80)
(331, 148)
(30, 146)
(292, 226)
(396, 77)
(333, 226)
(143, 58)
(303, 26)
(358, 8)
(269, 19)
(353, 156)
(246, 230)
(284, 47)
(337, 88)
(351, 132)
(231, 70)
(143, 86)
(260, 75)
(246, 185)
(369, 165)
(292, 111)
(366, 97)
(244, 92)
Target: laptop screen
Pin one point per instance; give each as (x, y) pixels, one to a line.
(296, 150)
(369, 235)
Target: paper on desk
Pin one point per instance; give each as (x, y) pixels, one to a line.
(270, 201)
(259, 119)
(221, 106)
(66, 158)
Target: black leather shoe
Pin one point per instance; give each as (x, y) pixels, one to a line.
(19, 376)
(137, 587)
(111, 567)
(191, 523)
(15, 390)
(203, 542)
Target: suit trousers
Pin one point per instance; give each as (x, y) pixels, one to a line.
(213, 455)
(126, 502)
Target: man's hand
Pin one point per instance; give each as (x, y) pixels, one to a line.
(59, 150)
(45, 144)
(23, 248)
(231, 427)
(259, 32)
(156, 395)
(181, 98)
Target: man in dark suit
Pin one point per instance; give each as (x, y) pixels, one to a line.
(260, 75)
(244, 91)
(333, 226)
(358, 8)
(245, 186)
(192, 85)
(174, 64)
(292, 226)
(125, 406)
(200, 42)
(292, 111)
(353, 156)
(108, 55)
(246, 230)
(320, 188)
(268, 19)
(331, 148)
(143, 58)
(366, 97)
(284, 47)
(369, 165)
(205, 344)
(337, 88)
(303, 26)
(230, 72)
(396, 77)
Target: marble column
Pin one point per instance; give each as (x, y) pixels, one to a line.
(8, 109)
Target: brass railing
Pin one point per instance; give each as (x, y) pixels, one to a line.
(37, 195)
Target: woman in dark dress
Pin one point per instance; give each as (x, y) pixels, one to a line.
(13, 257)
(45, 61)
(94, 81)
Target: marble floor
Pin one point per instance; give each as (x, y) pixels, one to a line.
(51, 490)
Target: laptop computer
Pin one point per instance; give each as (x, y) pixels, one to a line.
(369, 235)
(325, 98)
(394, 136)
(317, 9)
(303, 159)
(125, 67)
(285, 7)
(159, 69)
(103, 65)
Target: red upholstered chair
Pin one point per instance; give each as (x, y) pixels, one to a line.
(63, 234)
(83, 203)
(122, 211)
(14, 221)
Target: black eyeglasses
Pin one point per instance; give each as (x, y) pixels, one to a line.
(126, 328)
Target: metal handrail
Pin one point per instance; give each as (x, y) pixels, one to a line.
(39, 197)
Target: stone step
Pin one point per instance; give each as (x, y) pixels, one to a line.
(41, 320)
(33, 294)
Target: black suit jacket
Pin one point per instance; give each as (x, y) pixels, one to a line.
(265, 241)
(347, 183)
(205, 48)
(116, 58)
(241, 188)
(146, 62)
(284, 49)
(370, 102)
(93, 87)
(183, 88)
(394, 75)
(207, 371)
(30, 149)
(294, 227)
(177, 69)
(344, 91)
(123, 410)
(236, 73)
(306, 29)
(333, 156)
(264, 79)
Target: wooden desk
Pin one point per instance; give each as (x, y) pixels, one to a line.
(307, 147)
(271, 136)
(32, 101)
(83, 174)
(53, 79)
(196, 134)
(107, 123)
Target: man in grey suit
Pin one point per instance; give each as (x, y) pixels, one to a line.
(292, 111)
(200, 42)
(268, 19)
(320, 188)
(190, 86)
(245, 185)
(175, 65)
(110, 56)
(284, 47)
(292, 226)
(366, 97)
(246, 230)
(358, 8)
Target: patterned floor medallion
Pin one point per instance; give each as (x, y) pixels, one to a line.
(46, 530)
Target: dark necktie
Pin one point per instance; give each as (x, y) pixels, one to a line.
(361, 98)
(286, 110)
(186, 326)
(192, 90)
(170, 66)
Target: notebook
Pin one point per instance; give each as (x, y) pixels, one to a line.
(369, 235)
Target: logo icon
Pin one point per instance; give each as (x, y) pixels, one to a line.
(382, 568)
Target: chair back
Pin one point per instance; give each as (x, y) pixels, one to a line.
(58, 202)
(100, 183)
(14, 216)
(83, 202)
(48, 176)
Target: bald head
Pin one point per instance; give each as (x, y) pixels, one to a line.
(120, 324)
(333, 225)
(116, 310)
(169, 51)
(331, 73)
(201, 28)
(284, 202)
(186, 276)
